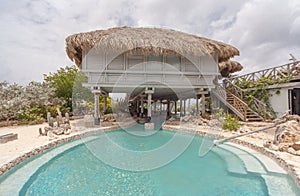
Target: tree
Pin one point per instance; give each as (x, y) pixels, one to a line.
(26, 103)
(63, 82)
(67, 83)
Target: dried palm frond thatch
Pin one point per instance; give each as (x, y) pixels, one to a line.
(227, 67)
(149, 41)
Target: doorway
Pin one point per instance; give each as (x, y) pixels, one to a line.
(294, 101)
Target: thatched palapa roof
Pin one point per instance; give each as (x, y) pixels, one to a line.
(152, 40)
(227, 67)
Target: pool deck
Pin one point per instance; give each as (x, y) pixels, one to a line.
(29, 143)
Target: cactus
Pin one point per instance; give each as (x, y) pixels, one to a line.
(67, 116)
(48, 117)
(51, 124)
(58, 120)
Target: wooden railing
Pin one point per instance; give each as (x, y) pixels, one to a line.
(239, 105)
(289, 70)
(254, 104)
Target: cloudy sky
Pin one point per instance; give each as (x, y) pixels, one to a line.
(33, 32)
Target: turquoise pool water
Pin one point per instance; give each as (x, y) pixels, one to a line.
(77, 171)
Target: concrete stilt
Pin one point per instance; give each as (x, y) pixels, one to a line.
(149, 125)
(137, 108)
(96, 107)
(168, 108)
(184, 107)
(175, 105)
(202, 104)
(142, 107)
(149, 105)
(180, 112)
(197, 105)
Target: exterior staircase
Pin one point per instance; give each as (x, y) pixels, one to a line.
(236, 104)
(249, 114)
(249, 108)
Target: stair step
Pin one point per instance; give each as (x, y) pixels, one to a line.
(276, 185)
(234, 164)
(269, 164)
(254, 119)
(250, 162)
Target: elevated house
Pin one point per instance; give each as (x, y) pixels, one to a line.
(151, 65)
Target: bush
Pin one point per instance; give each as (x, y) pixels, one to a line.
(231, 123)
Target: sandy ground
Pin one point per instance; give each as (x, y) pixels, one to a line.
(29, 139)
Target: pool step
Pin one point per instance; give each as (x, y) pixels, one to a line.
(234, 164)
(250, 162)
(273, 175)
(268, 163)
(276, 184)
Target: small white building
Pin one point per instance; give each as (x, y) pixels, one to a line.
(285, 97)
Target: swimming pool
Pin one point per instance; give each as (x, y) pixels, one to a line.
(75, 169)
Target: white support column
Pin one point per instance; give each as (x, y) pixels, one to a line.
(154, 106)
(142, 107)
(184, 107)
(149, 91)
(197, 105)
(180, 112)
(96, 107)
(202, 104)
(137, 107)
(149, 105)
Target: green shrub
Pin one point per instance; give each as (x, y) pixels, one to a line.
(231, 123)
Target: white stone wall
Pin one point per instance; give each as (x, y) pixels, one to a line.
(279, 101)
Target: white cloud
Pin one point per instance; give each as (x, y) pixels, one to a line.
(33, 32)
(265, 32)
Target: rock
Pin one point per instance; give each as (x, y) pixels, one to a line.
(149, 125)
(296, 145)
(267, 144)
(292, 124)
(291, 151)
(47, 129)
(186, 118)
(171, 119)
(51, 135)
(215, 123)
(274, 147)
(244, 129)
(58, 131)
(283, 147)
(88, 121)
(109, 117)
